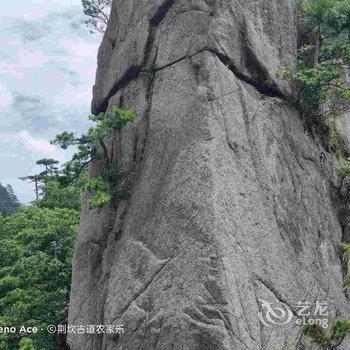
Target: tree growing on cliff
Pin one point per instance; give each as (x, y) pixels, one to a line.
(92, 146)
(322, 92)
(97, 13)
(322, 79)
(319, 74)
(331, 338)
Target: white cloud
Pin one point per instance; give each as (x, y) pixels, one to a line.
(5, 97)
(78, 50)
(74, 95)
(19, 156)
(46, 55)
(34, 8)
(37, 148)
(23, 190)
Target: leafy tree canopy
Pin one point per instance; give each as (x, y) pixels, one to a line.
(36, 247)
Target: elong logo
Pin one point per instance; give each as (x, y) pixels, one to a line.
(278, 315)
(272, 315)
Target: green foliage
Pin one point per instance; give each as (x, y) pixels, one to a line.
(65, 139)
(316, 84)
(106, 124)
(57, 195)
(97, 13)
(317, 81)
(109, 185)
(87, 145)
(320, 80)
(346, 259)
(329, 21)
(338, 48)
(36, 247)
(49, 163)
(50, 173)
(26, 344)
(284, 73)
(4, 341)
(147, 72)
(92, 146)
(331, 338)
(330, 121)
(109, 122)
(111, 174)
(101, 191)
(90, 8)
(327, 16)
(100, 199)
(343, 169)
(196, 65)
(322, 90)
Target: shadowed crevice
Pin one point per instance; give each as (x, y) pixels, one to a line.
(260, 84)
(161, 12)
(132, 73)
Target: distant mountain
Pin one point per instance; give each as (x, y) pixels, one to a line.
(8, 199)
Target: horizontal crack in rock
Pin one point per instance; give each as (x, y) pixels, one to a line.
(134, 72)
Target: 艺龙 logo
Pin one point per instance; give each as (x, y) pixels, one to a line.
(274, 315)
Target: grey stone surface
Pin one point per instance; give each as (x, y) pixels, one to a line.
(8, 200)
(343, 129)
(230, 199)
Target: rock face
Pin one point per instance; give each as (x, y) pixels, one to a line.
(230, 202)
(8, 200)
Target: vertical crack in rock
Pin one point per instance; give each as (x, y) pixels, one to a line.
(134, 71)
(149, 86)
(149, 90)
(131, 74)
(161, 12)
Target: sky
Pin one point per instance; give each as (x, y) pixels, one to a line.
(47, 70)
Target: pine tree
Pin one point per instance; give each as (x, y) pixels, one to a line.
(97, 12)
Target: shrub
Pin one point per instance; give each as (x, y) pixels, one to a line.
(331, 338)
(147, 72)
(196, 65)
